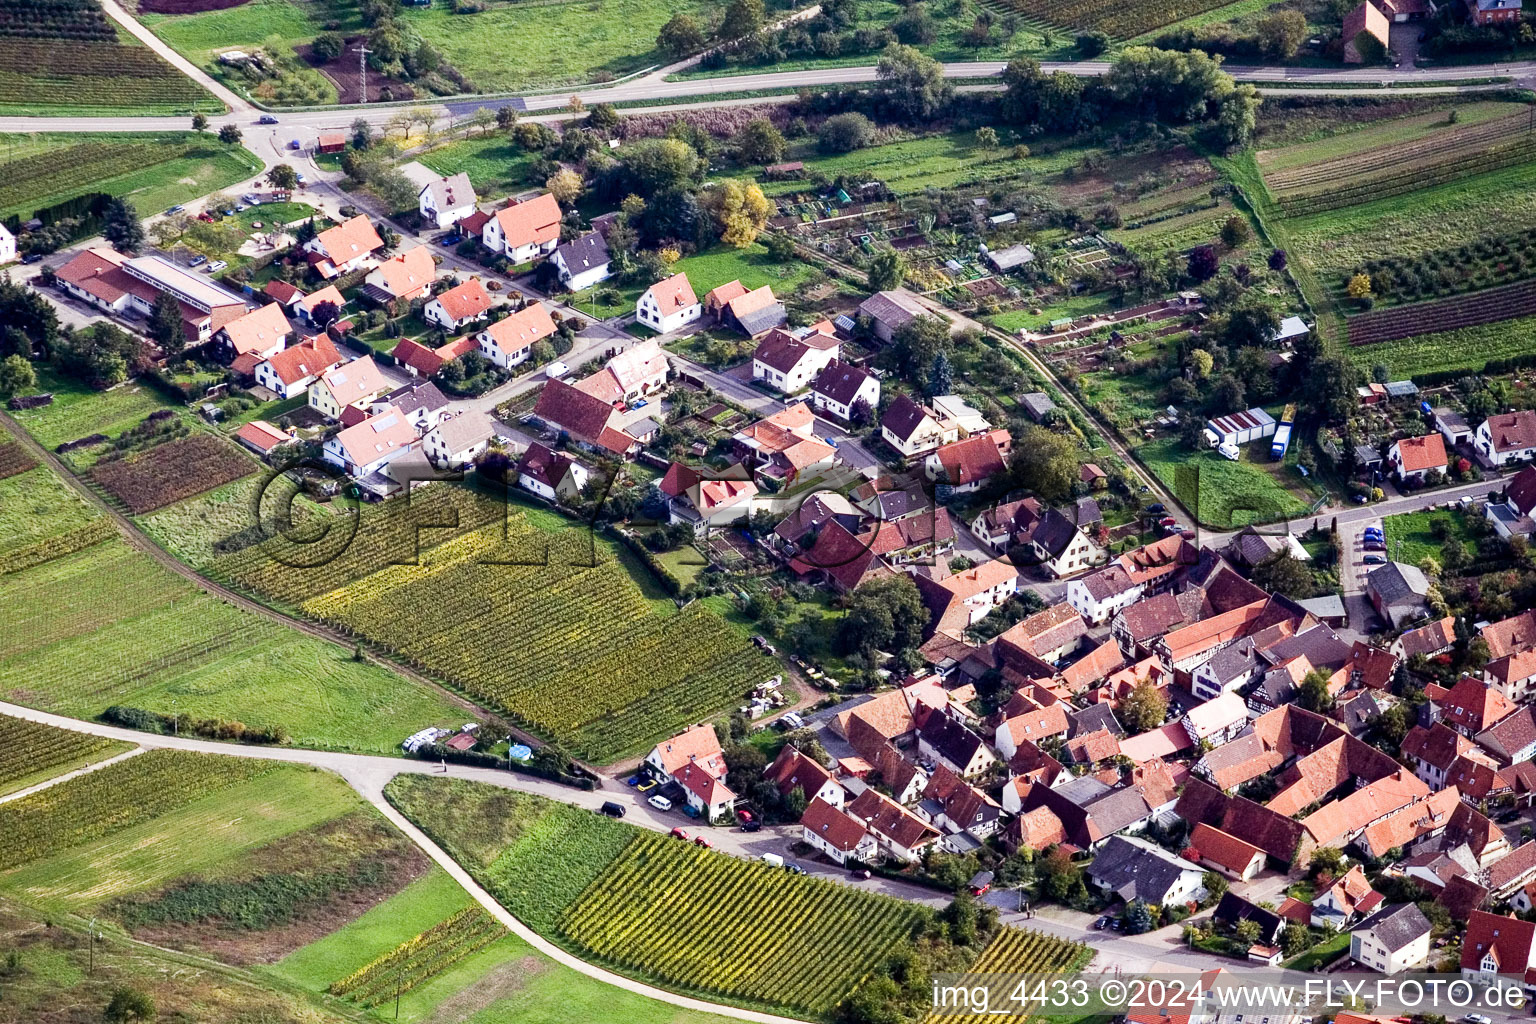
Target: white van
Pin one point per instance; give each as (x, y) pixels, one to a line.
(660, 802)
(773, 860)
(556, 370)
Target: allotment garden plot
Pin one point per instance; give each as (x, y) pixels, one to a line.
(547, 625)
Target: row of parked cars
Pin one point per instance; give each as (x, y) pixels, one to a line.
(1374, 541)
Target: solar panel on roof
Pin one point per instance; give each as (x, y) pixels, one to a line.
(385, 422)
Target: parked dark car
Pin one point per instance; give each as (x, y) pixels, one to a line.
(612, 809)
(1157, 508)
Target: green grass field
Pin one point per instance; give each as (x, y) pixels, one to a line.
(192, 839)
(78, 411)
(1224, 494)
(504, 983)
(937, 161)
(1411, 538)
(181, 166)
(495, 165)
(36, 505)
(752, 266)
(146, 638)
(1468, 348)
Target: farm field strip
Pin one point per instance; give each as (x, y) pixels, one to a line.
(1409, 176)
(31, 752)
(1017, 951)
(1350, 139)
(733, 904)
(1467, 348)
(116, 797)
(37, 507)
(1120, 20)
(1492, 305)
(172, 471)
(420, 958)
(1457, 141)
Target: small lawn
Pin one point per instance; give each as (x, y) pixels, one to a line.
(586, 299)
(495, 164)
(1320, 955)
(1068, 307)
(1223, 494)
(752, 266)
(1415, 536)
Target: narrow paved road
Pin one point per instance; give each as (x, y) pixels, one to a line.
(133, 27)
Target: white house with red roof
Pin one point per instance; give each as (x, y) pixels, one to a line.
(669, 305)
(1412, 458)
(350, 385)
(524, 231)
(966, 465)
(693, 759)
(637, 371)
(1507, 437)
(459, 306)
(257, 335)
(295, 368)
(836, 833)
(1498, 948)
(405, 277)
(367, 447)
(509, 341)
(262, 437)
(306, 306)
(7, 245)
(343, 248)
(1349, 898)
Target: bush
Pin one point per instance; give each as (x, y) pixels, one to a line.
(844, 133)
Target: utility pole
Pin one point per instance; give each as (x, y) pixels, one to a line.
(362, 68)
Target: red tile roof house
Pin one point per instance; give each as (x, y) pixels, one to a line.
(1511, 667)
(669, 305)
(405, 277)
(295, 368)
(1233, 857)
(1432, 751)
(509, 341)
(693, 759)
(1428, 640)
(420, 361)
(1512, 739)
(1347, 899)
(1414, 457)
(305, 308)
(784, 445)
(792, 770)
(132, 286)
(1470, 706)
(524, 231)
(1367, 19)
(262, 437)
(962, 599)
(1498, 948)
(458, 306)
(753, 313)
(550, 474)
(1507, 437)
(838, 834)
(637, 371)
(788, 361)
(965, 465)
(369, 446)
(589, 421)
(901, 834)
(343, 248)
(258, 334)
(351, 385)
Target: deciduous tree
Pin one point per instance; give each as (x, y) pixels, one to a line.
(740, 210)
(680, 36)
(1144, 708)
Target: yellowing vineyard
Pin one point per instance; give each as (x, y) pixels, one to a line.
(29, 750)
(714, 923)
(525, 619)
(1017, 951)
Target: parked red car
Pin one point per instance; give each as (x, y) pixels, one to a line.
(678, 833)
(701, 841)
